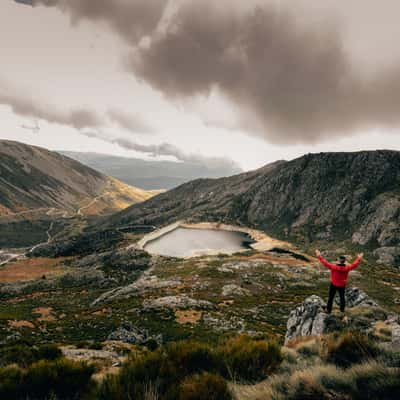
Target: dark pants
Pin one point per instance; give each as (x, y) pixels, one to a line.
(332, 292)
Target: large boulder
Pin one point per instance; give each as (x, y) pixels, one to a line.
(356, 297)
(233, 290)
(179, 302)
(310, 317)
(388, 256)
(307, 319)
(141, 286)
(127, 333)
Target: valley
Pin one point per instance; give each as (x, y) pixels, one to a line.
(94, 283)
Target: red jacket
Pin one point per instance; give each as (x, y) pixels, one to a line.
(339, 274)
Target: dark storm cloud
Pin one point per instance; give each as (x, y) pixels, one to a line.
(130, 122)
(289, 82)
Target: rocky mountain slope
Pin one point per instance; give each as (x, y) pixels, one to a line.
(33, 178)
(353, 197)
(152, 175)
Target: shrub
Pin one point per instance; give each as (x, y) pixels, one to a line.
(166, 369)
(307, 390)
(163, 369)
(24, 354)
(368, 381)
(248, 359)
(10, 380)
(95, 346)
(350, 348)
(61, 379)
(374, 381)
(204, 386)
(49, 352)
(187, 358)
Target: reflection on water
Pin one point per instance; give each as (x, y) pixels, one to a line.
(185, 242)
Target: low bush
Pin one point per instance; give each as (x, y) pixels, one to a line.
(248, 359)
(24, 354)
(60, 379)
(204, 386)
(166, 369)
(10, 380)
(367, 381)
(350, 348)
(95, 346)
(373, 381)
(48, 352)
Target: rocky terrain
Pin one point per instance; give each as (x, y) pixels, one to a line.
(348, 198)
(100, 297)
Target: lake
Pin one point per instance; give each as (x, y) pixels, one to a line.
(189, 242)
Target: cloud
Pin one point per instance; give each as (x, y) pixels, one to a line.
(77, 118)
(170, 150)
(92, 125)
(130, 121)
(289, 82)
(130, 18)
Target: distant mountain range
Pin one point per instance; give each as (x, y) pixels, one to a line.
(353, 197)
(32, 178)
(150, 175)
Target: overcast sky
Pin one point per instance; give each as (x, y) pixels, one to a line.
(200, 79)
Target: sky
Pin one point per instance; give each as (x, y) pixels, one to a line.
(230, 82)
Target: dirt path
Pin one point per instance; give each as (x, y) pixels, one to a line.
(97, 198)
(10, 258)
(49, 239)
(13, 257)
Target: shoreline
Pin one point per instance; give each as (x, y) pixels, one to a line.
(261, 241)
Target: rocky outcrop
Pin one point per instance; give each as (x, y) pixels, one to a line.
(128, 333)
(388, 256)
(356, 297)
(139, 287)
(180, 302)
(310, 318)
(234, 290)
(307, 319)
(223, 323)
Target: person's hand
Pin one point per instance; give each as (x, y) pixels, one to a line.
(360, 255)
(317, 253)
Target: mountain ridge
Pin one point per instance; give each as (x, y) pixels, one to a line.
(34, 178)
(332, 196)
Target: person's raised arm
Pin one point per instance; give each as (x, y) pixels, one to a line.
(356, 263)
(323, 261)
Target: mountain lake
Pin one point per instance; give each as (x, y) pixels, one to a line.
(189, 242)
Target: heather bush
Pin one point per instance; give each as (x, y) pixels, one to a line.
(248, 359)
(204, 386)
(350, 348)
(60, 379)
(24, 354)
(191, 364)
